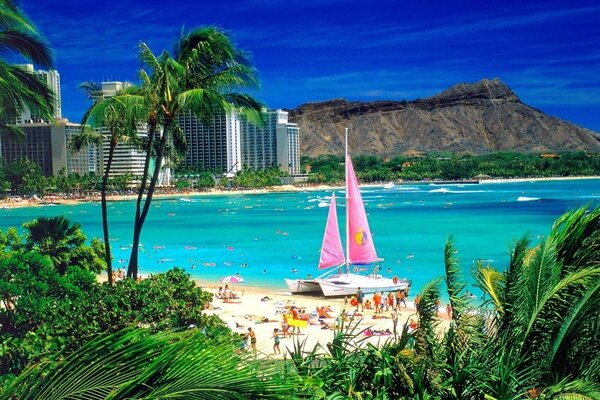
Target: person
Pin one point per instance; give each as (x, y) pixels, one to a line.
(377, 302)
(226, 293)
(295, 316)
(449, 310)
(252, 337)
(276, 349)
(390, 303)
(284, 325)
(360, 296)
(220, 293)
(417, 301)
(243, 342)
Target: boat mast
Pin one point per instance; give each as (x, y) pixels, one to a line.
(347, 207)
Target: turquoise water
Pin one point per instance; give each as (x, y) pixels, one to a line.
(265, 236)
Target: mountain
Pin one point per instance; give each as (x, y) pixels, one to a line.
(470, 117)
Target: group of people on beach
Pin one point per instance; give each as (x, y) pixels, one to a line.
(380, 301)
(225, 293)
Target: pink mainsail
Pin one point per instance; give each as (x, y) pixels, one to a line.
(361, 249)
(332, 252)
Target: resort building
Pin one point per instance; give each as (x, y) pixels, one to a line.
(227, 143)
(213, 144)
(288, 147)
(259, 143)
(85, 161)
(128, 158)
(52, 80)
(48, 145)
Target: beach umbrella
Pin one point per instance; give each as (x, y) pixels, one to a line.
(232, 279)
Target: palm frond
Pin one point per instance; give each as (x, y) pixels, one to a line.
(27, 44)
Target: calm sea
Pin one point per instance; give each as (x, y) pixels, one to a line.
(266, 237)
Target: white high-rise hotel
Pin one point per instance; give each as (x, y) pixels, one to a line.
(227, 143)
(52, 80)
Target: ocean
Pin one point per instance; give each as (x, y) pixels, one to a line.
(266, 237)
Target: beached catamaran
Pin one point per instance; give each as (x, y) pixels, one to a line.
(359, 255)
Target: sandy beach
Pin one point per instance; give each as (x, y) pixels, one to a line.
(261, 310)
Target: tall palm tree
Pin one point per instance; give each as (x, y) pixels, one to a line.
(19, 88)
(120, 115)
(204, 75)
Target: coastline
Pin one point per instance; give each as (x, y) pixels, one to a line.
(262, 310)
(18, 202)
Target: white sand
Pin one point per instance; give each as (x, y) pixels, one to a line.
(249, 310)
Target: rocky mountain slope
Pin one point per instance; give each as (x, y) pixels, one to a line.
(480, 117)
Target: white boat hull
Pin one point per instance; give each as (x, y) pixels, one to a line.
(303, 286)
(347, 284)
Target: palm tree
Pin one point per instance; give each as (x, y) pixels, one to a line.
(55, 237)
(19, 88)
(545, 311)
(204, 76)
(120, 115)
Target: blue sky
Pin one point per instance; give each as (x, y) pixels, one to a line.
(311, 50)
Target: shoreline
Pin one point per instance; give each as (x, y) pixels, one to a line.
(262, 310)
(18, 202)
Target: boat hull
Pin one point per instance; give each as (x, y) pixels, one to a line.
(348, 284)
(303, 286)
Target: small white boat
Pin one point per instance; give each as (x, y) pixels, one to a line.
(389, 185)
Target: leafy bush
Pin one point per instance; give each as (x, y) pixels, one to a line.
(44, 311)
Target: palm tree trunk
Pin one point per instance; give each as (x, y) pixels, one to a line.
(140, 217)
(107, 254)
(133, 258)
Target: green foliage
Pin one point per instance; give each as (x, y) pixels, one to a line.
(135, 364)
(63, 242)
(251, 179)
(536, 338)
(369, 168)
(51, 299)
(19, 87)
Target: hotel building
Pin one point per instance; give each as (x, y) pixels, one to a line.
(52, 80)
(227, 143)
(213, 144)
(48, 145)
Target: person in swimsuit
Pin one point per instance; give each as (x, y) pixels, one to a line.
(276, 349)
(252, 337)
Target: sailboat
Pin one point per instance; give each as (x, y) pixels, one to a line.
(360, 251)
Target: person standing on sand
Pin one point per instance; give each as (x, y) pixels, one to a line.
(295, 317)
(252, 337)
(276, 349)
(417, 301)
(360, 296)
(449, 310)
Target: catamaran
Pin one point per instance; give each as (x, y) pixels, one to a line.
(359, 255)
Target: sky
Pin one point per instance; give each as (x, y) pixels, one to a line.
(548, 52)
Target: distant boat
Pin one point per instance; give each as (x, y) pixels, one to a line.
(360, 251)
(389, 185)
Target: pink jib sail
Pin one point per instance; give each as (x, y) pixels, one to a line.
(332, 252)
(361, 249)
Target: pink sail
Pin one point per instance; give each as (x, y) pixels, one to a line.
(332, 252)
(361, 249)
